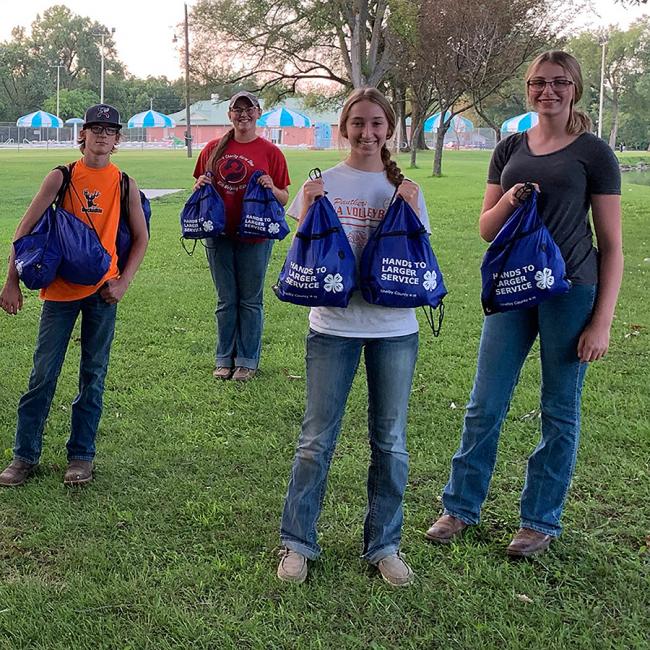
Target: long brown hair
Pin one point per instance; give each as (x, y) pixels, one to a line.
(393, 172)
(218, 151)
(579, 122)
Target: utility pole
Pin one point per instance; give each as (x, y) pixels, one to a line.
(102, 35)
(603, 44)
(58, 85)
(188, 132)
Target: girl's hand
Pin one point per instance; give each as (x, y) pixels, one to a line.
(311, 190)
(593, 342)
(202, 180)
(516, 195)
(410, 192)
(266, 181)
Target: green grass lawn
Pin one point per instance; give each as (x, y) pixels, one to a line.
(174, 544)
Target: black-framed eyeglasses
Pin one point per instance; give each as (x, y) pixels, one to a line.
(558, 85)
(240, 111)
(98, 129)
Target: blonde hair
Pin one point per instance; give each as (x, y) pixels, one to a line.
(579, 122)
(393, 172)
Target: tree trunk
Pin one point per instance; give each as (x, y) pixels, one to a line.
(491, 123)
(420, 143)
(416, 132)
(440, 141)
(404, 144)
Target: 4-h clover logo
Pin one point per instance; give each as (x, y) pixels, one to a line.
(333, 283)
(208, 225)
(274, 228)
(545, 279)
(430, 280)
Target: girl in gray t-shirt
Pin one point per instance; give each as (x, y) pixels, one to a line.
(574, 171)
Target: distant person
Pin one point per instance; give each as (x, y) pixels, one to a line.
(94, 183)
(238, 266)
(574, 171)
(388, 338)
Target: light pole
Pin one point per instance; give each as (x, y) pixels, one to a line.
(188, 125)
(58, 67)
(102, 35)
(603, 44)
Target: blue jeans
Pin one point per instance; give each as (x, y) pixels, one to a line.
(55, 329)
(238, 271)
(332, 362)
(505, 342)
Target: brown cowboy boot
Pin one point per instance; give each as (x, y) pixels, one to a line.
(79, 472)
(445, 529)
(528, 542)
(17, 472)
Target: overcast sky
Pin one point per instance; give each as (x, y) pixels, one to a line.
(144, 29)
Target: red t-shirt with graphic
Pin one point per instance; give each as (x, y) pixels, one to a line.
(233, 170)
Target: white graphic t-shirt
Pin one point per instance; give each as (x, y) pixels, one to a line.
(360, 200)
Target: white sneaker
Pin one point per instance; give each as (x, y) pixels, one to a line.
(395, 571)
(292, 567)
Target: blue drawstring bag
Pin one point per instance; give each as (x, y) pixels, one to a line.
(204, 215)
(84, 260)
(123, 241)
(523, 265)
(38, 255)
(398, 266)
(262, 213)
(319, 270)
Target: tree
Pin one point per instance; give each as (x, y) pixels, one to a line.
(464, 51)
(72, 103)
(58, 37)
(627, 56)
(506, 102)
(283, 42)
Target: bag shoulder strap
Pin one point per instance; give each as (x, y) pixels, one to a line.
(125, 182)
(67, 184)
(66, 170)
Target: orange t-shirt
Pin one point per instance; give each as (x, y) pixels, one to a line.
(95, 193)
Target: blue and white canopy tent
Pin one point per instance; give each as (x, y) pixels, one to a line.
(150, 118)
(458, 124)
(39, 120)
(281, 116)
(519, 123)
(74, 122)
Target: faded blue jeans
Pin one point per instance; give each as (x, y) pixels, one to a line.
(238, 270)
(332, 362)
(505, 342)
(55, 328)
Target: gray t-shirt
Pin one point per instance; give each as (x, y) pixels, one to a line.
(567, 178)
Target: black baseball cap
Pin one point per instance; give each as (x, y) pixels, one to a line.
(244, 94)
(102, 114)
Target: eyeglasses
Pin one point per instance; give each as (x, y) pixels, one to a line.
(98, 129)
(240, 111)
(558, 85)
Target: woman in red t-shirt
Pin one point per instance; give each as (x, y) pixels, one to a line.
(238, 266)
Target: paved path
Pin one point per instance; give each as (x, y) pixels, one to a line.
(154, 194)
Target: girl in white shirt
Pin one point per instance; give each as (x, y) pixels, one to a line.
(360, 189)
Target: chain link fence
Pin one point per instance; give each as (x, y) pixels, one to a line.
(14, 137)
